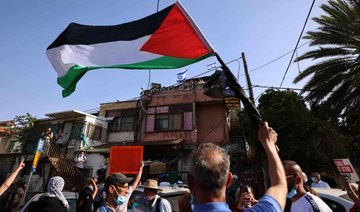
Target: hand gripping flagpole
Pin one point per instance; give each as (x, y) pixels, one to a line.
(35, 162)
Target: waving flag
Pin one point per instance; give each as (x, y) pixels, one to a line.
(164, 40)
(223, 84)
(181, 76)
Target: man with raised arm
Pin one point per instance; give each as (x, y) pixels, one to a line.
(118, 188)
(11, 179)
(209, 176)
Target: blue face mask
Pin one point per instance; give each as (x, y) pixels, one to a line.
(292, 193)
(120, 199)
(193, 200)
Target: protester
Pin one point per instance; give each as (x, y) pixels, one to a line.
(209, 176)
(245, 198)
(231, 192)
(80, 161)
(87, 196)
(301, 200)
(118, 191)
(18, 199)
(60, 139)
(353, 192)
(329, 180)
(98, 200)
(12, 177)
(179, 180)
(48, 135)
(307, 187)
(53, 200)
(317, 182)
(153, 202)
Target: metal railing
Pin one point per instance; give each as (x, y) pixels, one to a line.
(74, 179)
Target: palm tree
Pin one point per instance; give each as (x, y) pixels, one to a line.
(335, 80)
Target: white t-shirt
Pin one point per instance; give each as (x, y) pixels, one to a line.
(303, 205)
(320, 184)
(80, 161)
(123, 207)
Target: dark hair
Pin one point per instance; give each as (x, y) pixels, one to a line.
(85, 201)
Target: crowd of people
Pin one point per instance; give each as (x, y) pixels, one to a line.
(209, 179)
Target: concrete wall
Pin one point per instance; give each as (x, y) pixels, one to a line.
(94, 160)
(115, 106)
(121, 136)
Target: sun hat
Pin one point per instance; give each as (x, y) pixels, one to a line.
(151, 184)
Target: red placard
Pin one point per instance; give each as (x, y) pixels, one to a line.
(125, 159)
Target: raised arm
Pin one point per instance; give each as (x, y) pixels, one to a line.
(350, 191)
(278, 188)
(12, 177)
(138, 176)
(95, 188)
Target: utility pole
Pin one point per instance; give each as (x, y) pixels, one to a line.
(251, 93)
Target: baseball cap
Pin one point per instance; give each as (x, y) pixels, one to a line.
(118, 178)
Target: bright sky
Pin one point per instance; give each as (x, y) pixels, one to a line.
(263, 30)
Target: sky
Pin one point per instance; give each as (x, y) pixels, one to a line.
(264, 30)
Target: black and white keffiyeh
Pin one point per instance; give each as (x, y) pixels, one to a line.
(54, 188)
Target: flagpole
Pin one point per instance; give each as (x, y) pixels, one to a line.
(35, 163)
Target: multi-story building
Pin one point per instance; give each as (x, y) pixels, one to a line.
(169, 122)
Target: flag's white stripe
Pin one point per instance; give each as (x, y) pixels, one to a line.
(101, 54)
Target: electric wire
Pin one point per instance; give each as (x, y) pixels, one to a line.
(297, 43)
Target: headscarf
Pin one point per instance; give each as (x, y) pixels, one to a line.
(54, 188)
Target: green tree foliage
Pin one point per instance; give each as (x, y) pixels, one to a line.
(301, 136)
(23, 123)
(334, 79)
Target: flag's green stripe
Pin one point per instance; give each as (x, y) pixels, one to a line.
(69, 80)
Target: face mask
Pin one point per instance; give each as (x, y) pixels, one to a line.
(292, 193)
(120, 199)
(313, 179)
(193, 200)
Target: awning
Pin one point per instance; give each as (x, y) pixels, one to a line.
(105, 148)
(159, 143)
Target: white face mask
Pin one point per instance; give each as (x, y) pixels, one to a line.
(313, 179)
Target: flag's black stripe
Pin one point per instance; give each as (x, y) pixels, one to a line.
(82, 34)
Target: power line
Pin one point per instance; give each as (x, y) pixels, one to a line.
(297, 43)
(278, 58)
(284, 88)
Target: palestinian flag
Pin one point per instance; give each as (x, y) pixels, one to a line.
(164, 40)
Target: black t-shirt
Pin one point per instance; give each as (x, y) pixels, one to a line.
(47, 204)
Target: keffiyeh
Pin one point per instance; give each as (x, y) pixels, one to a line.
(54, 188)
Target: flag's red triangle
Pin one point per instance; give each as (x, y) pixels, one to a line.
(176, 38)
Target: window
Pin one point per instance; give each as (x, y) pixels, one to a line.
(95, 132)
(169, 122)
(335, 206)
(125, 121)
(169, 118)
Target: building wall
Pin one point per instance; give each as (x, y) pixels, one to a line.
(212, 124)
(208, 118)
(121, 136)
(3, 145)
(115, 106)
(95, 161)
